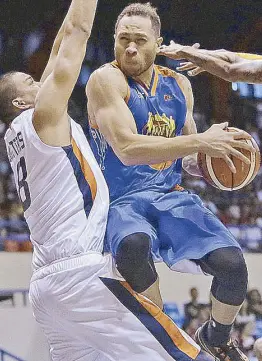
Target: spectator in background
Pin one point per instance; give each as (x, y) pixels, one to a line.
(244, 317)
(246, 339)
(254, 303)
(195, 313)
(246, 213)
(253, 235)
(3, 224)
(192, 308)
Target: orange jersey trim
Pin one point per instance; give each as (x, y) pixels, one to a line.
(173, 331)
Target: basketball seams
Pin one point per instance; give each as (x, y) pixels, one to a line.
(251, 169)
(203, 168)
(213, 175)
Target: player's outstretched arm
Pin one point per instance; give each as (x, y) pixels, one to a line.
(106, 92)
(52, 100)
(224, 64)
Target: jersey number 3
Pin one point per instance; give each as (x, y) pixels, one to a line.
(23, 188)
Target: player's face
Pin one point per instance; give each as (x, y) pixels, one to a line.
(27, 88)
(135, 45)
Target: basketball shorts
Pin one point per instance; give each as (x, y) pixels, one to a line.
(88, 314)
(181, 228)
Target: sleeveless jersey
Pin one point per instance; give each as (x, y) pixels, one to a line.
(157, 111)
(62, 189)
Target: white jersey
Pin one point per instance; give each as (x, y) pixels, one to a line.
(63, 191)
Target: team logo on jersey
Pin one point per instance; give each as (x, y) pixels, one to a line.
(160, 125)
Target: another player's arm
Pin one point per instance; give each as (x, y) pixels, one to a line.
(190, 162)
(50, 115)
(106, 91)
(224, 64)
(240, 69)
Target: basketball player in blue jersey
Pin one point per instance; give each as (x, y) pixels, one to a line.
(142, 125)
(87, 312)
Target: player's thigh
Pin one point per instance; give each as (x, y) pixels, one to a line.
(187, 229)
(124, 220)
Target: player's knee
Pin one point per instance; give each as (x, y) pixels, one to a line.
(134, 261)
(238, 266)
(134, 250)
(232, 266)
(235, 266)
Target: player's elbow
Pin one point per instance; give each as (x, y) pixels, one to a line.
(128, 161)
(129, 155)
(125, 156)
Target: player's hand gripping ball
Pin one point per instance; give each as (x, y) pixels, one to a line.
(217, 173)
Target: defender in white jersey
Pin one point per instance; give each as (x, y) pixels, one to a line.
(64, 194)
(85, 310)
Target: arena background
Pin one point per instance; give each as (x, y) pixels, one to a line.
(27, 30)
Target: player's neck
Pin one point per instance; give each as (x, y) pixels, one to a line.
(146, 77)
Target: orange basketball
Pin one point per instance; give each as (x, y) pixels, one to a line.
(217, 173)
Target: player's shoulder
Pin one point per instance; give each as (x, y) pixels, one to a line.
(108, 74)
(170, 73)
(166, 72)
(106, 78)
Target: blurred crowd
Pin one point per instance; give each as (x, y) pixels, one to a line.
(247, 327)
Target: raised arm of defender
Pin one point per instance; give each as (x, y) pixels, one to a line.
(106, 92)
(224, 64)
(50, 116)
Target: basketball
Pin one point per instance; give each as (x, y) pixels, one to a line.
(217, 173)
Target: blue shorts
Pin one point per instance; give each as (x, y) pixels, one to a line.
(179, 225)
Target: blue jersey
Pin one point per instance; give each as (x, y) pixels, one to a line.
(157, 111)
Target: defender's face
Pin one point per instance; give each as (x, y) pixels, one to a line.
(27, 87)
(135, 45)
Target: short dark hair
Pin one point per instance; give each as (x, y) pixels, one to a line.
(8, 92)
(145, 10)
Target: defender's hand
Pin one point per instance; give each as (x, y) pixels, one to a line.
(191, 68)
(173, 50)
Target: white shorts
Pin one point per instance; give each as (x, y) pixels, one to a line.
(88, 314)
